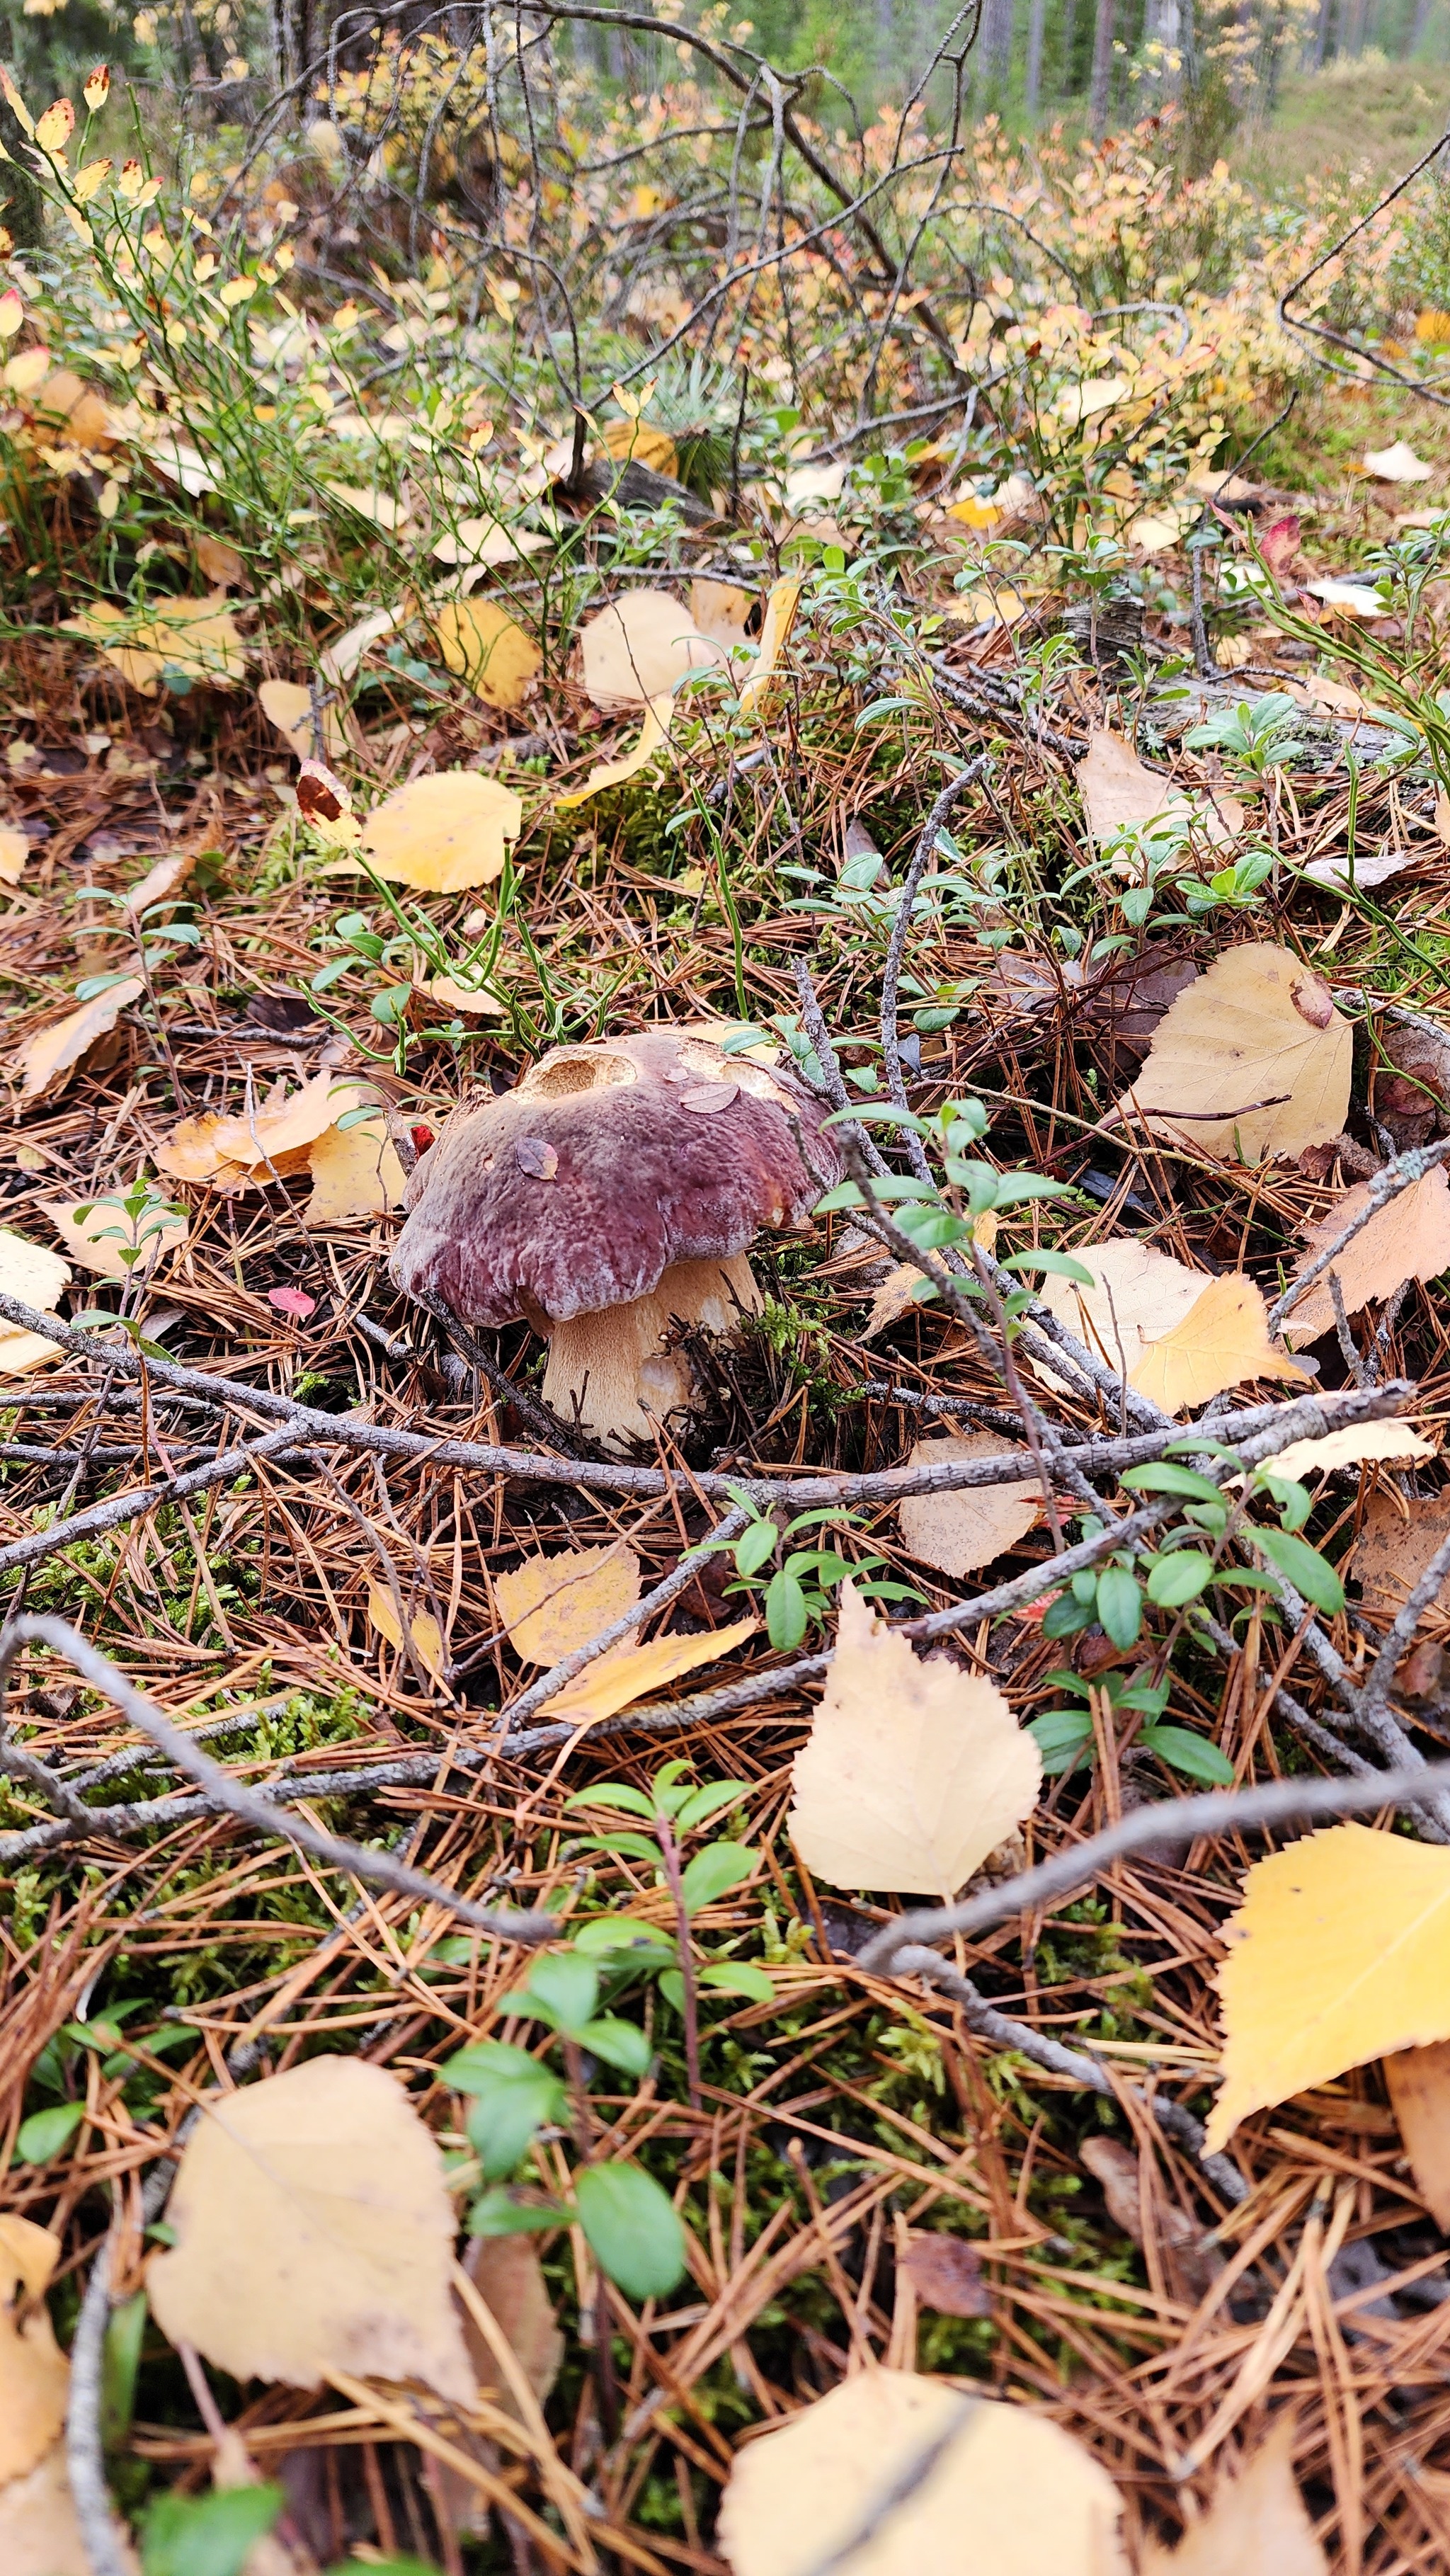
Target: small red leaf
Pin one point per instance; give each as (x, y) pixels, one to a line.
(292, 1301)
(1279, 544)
(423, 1138)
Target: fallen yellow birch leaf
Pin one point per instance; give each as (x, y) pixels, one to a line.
(48, 1059)
(483, 645)
(653, 735)
(288, 706)
(14, 854)
(1221, 1341)
(270, 1143)
(34, 2373)
(930, 2479)
(443, 833)
(423, 1630)
(645, 443)
(314, 2232)
(626, 1673)
(549, 1605)
(1358, 1445)
(355, 1172)
(39, 2533)
(914, 1770)
(1251, 1060)
(640, 649)
(782, 601)
(1339, 1953)
(1118, 791)
(98, 1238)
(35, 1275)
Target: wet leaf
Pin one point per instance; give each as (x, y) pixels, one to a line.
(914, 1770)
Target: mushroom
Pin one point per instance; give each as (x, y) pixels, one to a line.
(609, 1198)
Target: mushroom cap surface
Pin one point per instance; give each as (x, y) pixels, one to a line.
(607, 1164)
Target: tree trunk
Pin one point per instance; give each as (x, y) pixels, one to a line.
(1035, 25)
(1323, 37)
(1100, 96)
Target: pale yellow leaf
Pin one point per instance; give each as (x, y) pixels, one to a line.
(268, 1143)
(627, 1673)
(936, 2480)
(423, 1630)
(33, 2370)
(98, 1239)
(551, 1604)
(486, 541)
(48, 1059)
(1339, 1953)
(355, 1172)
(645, 443)
(641, 648)
(914, 1770)
(314, 2232)
(54, 130)
(1250, 1060)
(1222, 1341)
(721, 610)
(443, 833)
(1408, 1238)
(14, 854)
(39, 2533)
(958, 1532)
(1397, 464)
(1118, 791)
(380, 509)
(782, 601)
(36, 1276)
(1138, 1295)
(1256, 2524)
(451, 995)
(287, 705)
(653, 734)
(343, 658)
(1417, 2081)
(196, 637)
(1356, 1446)
(483, 645)
(160, 881)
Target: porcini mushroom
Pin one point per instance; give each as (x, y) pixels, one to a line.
(609, 1198)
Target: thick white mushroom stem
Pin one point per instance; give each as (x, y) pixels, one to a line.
(611, 1371)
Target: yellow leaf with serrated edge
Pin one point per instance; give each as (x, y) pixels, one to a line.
(1250, 1060)
(914, 1770)
(49, 1058)
(1137, 1295)
(1339, 1953)
(957, 1532)
(483, 645)
(268, 1142)
(355, 1173)
(1408, 1238)
(929, 2478)
(627, 1673)
(443, 833)
(551, 1604)
(653, 735)
(33, 2370)
(287, 705)
(781, 604)
(1221, 1341)
(423, 1630)
(314, 2232)
(643, 442)
(1256, 2521)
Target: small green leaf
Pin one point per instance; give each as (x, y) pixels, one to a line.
(714, 1871)
(632, 2228)
(1191, 1754)
(1061, 1264)
(613, 1793)
(120, 2361)
(561, 1988)
(755, 1547)
(209, 2535)
(1303, 1566)
(707, 1801)
(1179, 1577)
(785, 1612)
(619, 2043)
(1120, 1605)
(739, 1978)
(1166, 1478)
(514, 2096)
(46, 2132)
(500, 2213)
(1063, 1737)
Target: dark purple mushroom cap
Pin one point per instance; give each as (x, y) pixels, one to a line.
(609, 1163)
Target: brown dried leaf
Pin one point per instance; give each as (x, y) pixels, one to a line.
(1395, 1544)
(1250, 1061)
(946, 2274)
(998, 2488)
(1408, 1238)
(48, 1059)
(914, 1770)
(1418, 2082)
(314, 2232)
(961, 1531)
